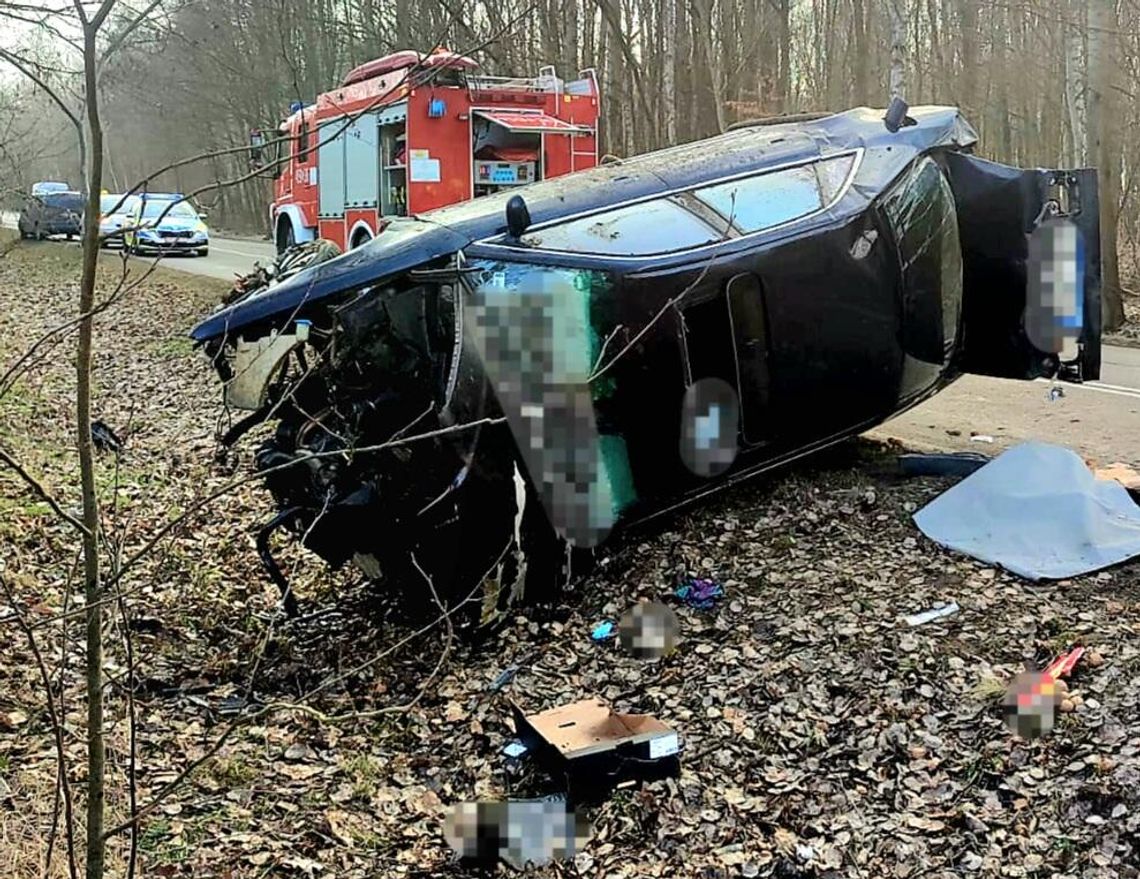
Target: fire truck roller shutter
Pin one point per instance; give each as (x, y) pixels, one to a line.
(361, 162)
(531, 122)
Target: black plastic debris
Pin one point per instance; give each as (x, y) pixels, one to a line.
(105, 439)
(942, 463)
(505, 677)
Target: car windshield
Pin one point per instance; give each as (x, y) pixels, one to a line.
(153, 209)
(71, 201)
(108, 203)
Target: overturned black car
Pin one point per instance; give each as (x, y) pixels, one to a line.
(483, 394)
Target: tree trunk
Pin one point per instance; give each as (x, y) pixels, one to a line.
(1104, 152)
(784, 78)
(1076, 83)
(668, 10)
(898, 49)
(968, 97)
(862, 58)
(93, 593)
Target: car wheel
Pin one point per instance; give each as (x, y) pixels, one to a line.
(204, 251)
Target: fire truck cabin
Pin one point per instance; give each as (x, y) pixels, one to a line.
(428, 132)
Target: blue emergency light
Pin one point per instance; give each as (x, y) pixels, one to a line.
(296, 106)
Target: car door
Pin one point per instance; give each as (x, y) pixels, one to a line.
(1031, 258)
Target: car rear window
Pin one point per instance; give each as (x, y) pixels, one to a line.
(71, 201)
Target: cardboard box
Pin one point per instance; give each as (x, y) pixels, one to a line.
(597, 748)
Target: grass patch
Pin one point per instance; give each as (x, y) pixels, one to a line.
(173, 347)
(232, 772)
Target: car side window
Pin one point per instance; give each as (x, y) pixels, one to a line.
(705, 215)
(764, 201)
(643, 229)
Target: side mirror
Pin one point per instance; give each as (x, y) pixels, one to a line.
(256, 150)
(202, 215)
(896, 117)
(518, 216)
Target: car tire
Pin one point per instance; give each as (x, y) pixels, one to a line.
(285, 237)
(203, 251)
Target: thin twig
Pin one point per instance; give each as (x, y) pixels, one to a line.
(56, 727)
(39, 489)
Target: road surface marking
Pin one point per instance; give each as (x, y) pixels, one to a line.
(1115, 390)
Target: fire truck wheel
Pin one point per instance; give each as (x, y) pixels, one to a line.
(285, 237)
(359, 238)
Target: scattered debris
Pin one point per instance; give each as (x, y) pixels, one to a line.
(700, 594)
(519, 832)
(1064, 664)
(595, 747)
(1037, 511)
(299, 751)
(935, 613)
(981, 438)
(648, 630)
(942, 464)
(505, 677)
(603, 631)
(105, 439)
(516, 749)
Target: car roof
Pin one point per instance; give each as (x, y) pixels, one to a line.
(740, 151)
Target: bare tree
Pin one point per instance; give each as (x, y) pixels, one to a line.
(1102, 131)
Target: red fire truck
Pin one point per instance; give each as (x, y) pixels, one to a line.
(433, 132)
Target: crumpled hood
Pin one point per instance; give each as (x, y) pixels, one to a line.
(405, 244)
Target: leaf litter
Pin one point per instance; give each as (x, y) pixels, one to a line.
(823, 737)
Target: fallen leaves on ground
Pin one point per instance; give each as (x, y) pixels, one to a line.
(823, 737)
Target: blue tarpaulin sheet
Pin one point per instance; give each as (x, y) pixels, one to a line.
(1038, 511)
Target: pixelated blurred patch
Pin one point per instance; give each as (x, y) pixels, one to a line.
(1055, 292)
(710, 424)
(1031, 704)
(520, 832)
(649, 630)
(533, 330)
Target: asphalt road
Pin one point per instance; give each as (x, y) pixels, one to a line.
(228, 257)
(1101, 419)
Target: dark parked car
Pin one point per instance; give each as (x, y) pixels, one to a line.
(636, 336)
(51, 213)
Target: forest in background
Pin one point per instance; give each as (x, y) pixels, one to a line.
(195, 77)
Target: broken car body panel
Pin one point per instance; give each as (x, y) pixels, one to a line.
(663, 327)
